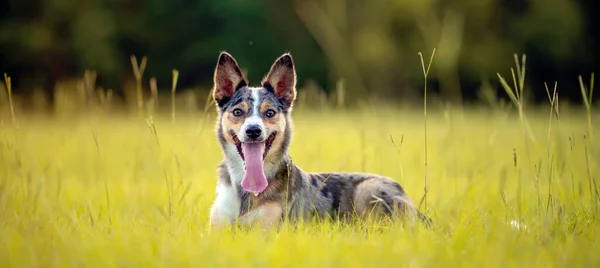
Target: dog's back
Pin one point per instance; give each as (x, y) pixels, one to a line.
(347, 195)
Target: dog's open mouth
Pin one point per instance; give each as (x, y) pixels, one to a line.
(238, 144)
(253, 154)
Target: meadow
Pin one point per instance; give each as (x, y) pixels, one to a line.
(503, 186)
(126, 191)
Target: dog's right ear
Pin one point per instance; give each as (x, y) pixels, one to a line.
(281, 79)
(227, 79)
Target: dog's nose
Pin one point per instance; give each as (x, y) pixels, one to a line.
(253, 132)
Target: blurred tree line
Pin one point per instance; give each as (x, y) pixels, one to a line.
(367, 47)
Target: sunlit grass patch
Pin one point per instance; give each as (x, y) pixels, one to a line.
(129, 192)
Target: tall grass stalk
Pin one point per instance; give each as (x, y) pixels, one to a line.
(519, 184)
(173, 88)
(587, 101)
(100, 168)
(553, 99)
(572, 167)
(138, 72)
(152, 127)
(154, 95)
(398, 148)
(593, 186)
(425, 74)
(153, 101)
(169, 214)
(8, 83)
(518, 99)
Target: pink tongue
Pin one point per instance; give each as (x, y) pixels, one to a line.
(254, 180)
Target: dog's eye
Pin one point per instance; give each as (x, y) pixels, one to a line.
(238, 112)
(270, 113)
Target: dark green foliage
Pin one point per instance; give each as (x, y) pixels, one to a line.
(372, 46)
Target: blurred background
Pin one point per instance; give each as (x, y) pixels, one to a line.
(348, 51)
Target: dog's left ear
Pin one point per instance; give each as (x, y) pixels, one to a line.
(282, 79)
(227, 79)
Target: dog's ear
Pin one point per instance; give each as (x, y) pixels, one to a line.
(282, 79)
(227, 79)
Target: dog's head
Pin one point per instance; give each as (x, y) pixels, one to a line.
(254, 121)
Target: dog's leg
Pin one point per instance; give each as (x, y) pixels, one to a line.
(266, 215)
(378, 197)
(226, 207)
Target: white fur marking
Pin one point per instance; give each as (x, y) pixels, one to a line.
(256, 97)
(226, 207)
(235, 165)
(254, 118)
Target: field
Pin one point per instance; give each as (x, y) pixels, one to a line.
(124, 191)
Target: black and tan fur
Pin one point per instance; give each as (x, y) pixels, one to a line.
(291, 192)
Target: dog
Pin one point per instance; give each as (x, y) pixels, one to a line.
(257, 181)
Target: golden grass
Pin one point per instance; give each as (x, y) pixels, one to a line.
(112, 193)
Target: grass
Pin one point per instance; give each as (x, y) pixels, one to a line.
(503, 188)
(129, 192)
